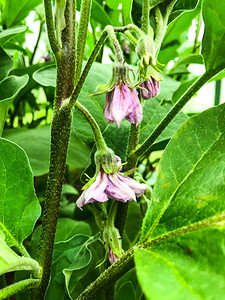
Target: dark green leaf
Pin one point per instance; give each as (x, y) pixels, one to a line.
(184, 267)
(19, 207)
(6, 64)
(190, 182)
(126, 292)
(7, 34)
(213, 45)
(71, 257)
(36, 143)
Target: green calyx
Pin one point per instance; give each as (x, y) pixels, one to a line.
(106, 160)
(112, 239)
(120, 74)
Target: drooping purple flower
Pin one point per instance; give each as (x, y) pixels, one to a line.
(115, 186)
(112, 257)
(151, 88)
(122, 102)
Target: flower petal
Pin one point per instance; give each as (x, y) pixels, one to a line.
(135, 114)
(118, 190)
(138, 188)
(95, 192)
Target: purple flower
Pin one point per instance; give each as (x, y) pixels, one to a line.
(115, 186)
(151, 88)
(122, 102)
(112, 257)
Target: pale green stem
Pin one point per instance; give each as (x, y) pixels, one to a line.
(18, 287)
(145, 16)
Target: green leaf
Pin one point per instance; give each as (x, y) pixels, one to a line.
(14, 12)
(153, 113)
(126, 291)
(213, 44)
(190, 182)
(10, 261)
(71, 258)
(126, 8)
(184, 267)
(36, 141)
(8, 34)
(19, 206)
(9, 88)
(183, 88)
(46, 76)
(6, 64)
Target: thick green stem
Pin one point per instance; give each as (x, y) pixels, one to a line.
(82, 34)
(171, 114)
(50, 26)
(145, 16)
(100, 143)
(18, 287)
(126, 262)
(119, 53)
(59, 144)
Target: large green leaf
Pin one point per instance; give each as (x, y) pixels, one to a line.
(9, 88)
(213, 44)
(36, 143)
(8, 34)
(6, 64)
(19, 206)
(10, 261)
(126, 8)
(71, 258)
(187, 267)
(190, 182)
(15, 11)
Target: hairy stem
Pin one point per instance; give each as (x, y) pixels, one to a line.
(100, 143)
(171, 114)
(59, 144)
(119, 53)
(87, 68)
(145, 16)
(50, 26)
(82, 34)
(126, 262)
(18, 287)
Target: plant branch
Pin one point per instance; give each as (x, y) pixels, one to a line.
(126, 262)
(172, 113)
(18, 287)
(82, 34)
(50, 26)
(145, 16)
(100, 143)
(87, 68)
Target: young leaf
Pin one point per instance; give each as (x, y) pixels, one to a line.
(213, 44)
(126, 291)
(190, 182)
(10, 261)
(184, 267)
(19, 206)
